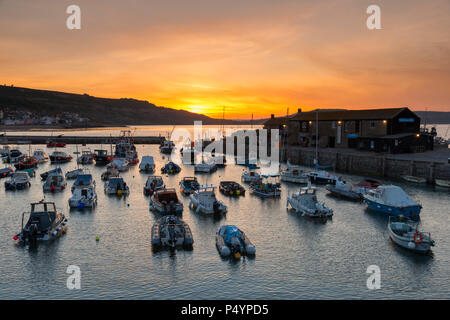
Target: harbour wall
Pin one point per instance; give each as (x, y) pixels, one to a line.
(75, 140)
(370, 164)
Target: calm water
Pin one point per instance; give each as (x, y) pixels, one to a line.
(296, 258)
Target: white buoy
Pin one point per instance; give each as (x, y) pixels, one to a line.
(411, 245)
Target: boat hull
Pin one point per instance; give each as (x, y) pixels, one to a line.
(409, 211)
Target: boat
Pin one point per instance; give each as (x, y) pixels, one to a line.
(171, 168)
(120, 164)
(366, 185)
(251, 177)
(266, 188)
(442, 183)
(188, 185)
(83, 180)
(54, 144)
(170, 231)
(294, 174)
(31, 172)
(231, 188)
(83, 197)
(26, 163)
(6, 172)
(110, 172)
(405, 233)
(14, 156)
(116, 186)
(101, 157)
(153, 183)
(392, 200)
(345, 190)
(166, 147)
(204, 201)
(321, 177)
(60, 157)
(205, 167)
(54, 171)
(125, 148)
(44, 223)
(231, 241)
(414, 179)
(4, 152)
(147, 164)
(40, 156)
(165, 202)
(54, 182)
(19, 180)
(305, 202)
(73, 174)
(86, 157)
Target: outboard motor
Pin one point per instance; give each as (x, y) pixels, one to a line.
(216, 207)
(172, 207)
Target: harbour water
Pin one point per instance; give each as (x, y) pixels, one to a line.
(296, 257)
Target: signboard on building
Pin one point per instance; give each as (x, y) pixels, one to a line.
(407, 120)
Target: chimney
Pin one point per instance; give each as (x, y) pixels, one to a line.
(272, 116)
(299, 110)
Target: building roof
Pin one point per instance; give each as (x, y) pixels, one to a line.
(369, 114)
(279, 121)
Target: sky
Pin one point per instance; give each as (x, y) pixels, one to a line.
(246, 57)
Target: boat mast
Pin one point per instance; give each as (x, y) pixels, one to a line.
(316, 160)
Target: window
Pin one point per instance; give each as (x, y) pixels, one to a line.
(333, 124)
(372, 124)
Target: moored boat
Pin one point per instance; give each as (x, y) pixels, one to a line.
(101, 157)
(442, 183)
(166, 147)
(345, 190)
(83, 197)
(366, 185)
(414, 179)
(40, 156)
(266, 188)
(166, 202)
(116, 186)
(6, 172)
(125, 148)
(305, 202)
(147, 164)
(54, 144)
(19, 180)
(54, 171)
(321, 177)
(231, 241)
(189, 185)
(14, 156)
(170, 231)
(73, 174)
(231, 188)
(109, 173)
(294, 174)
(54, 182)
(60, 157)
(171, 168)
(405, 233)
(251, 177)
(153, 184)
(83, 180)
(86, 157)
(204, 201)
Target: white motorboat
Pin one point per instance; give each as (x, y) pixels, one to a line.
(294, 174)
(40, 156)
(305, 202)
(55, 182)
(116, 186)
(166, 202)
(442, 183)
(73, 174)
(147, 164)
(120, 164)
(251, 177)
(83, 180)
(87, 157)
(414, 179)
(110, 173)
(83, 197)
(167, 146)
(205, 167)
(405, 233)
(126, 149)
(19, 180)
(321, 177)
(153, 184)
(204, 201)
(345, 190)
(170, 231)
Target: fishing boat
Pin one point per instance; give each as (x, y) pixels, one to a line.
(170, 231)
(54, 171)
(6, 172)
(166, 202)
(205, 167)
(344, 190)
(54, 144)
(86, 157)
(4, 152)
(251, 177)
(153, 184)
(321, 177)
(60, 157)
(392, 200)
(442, 183)
(405, 233)
(14, 156)
(83, 197)
(55, 183)
(83, 180)
(116, 186)
(26, 163)
(120, 164)
(188, 185)
(171, 168)
(73, 174)
(110, 172)
(231, 188)
(147, 164)
(294, 174)
(125, 148)
(305, 202)
(204, 201)
(231, 241)
(19, 180)
(166, 147)
(414, 179)
(266, 188)
(40, 156)
(101, 157)
(366, 185)
(44, 223)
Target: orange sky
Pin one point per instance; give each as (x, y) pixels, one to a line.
(253, 56)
